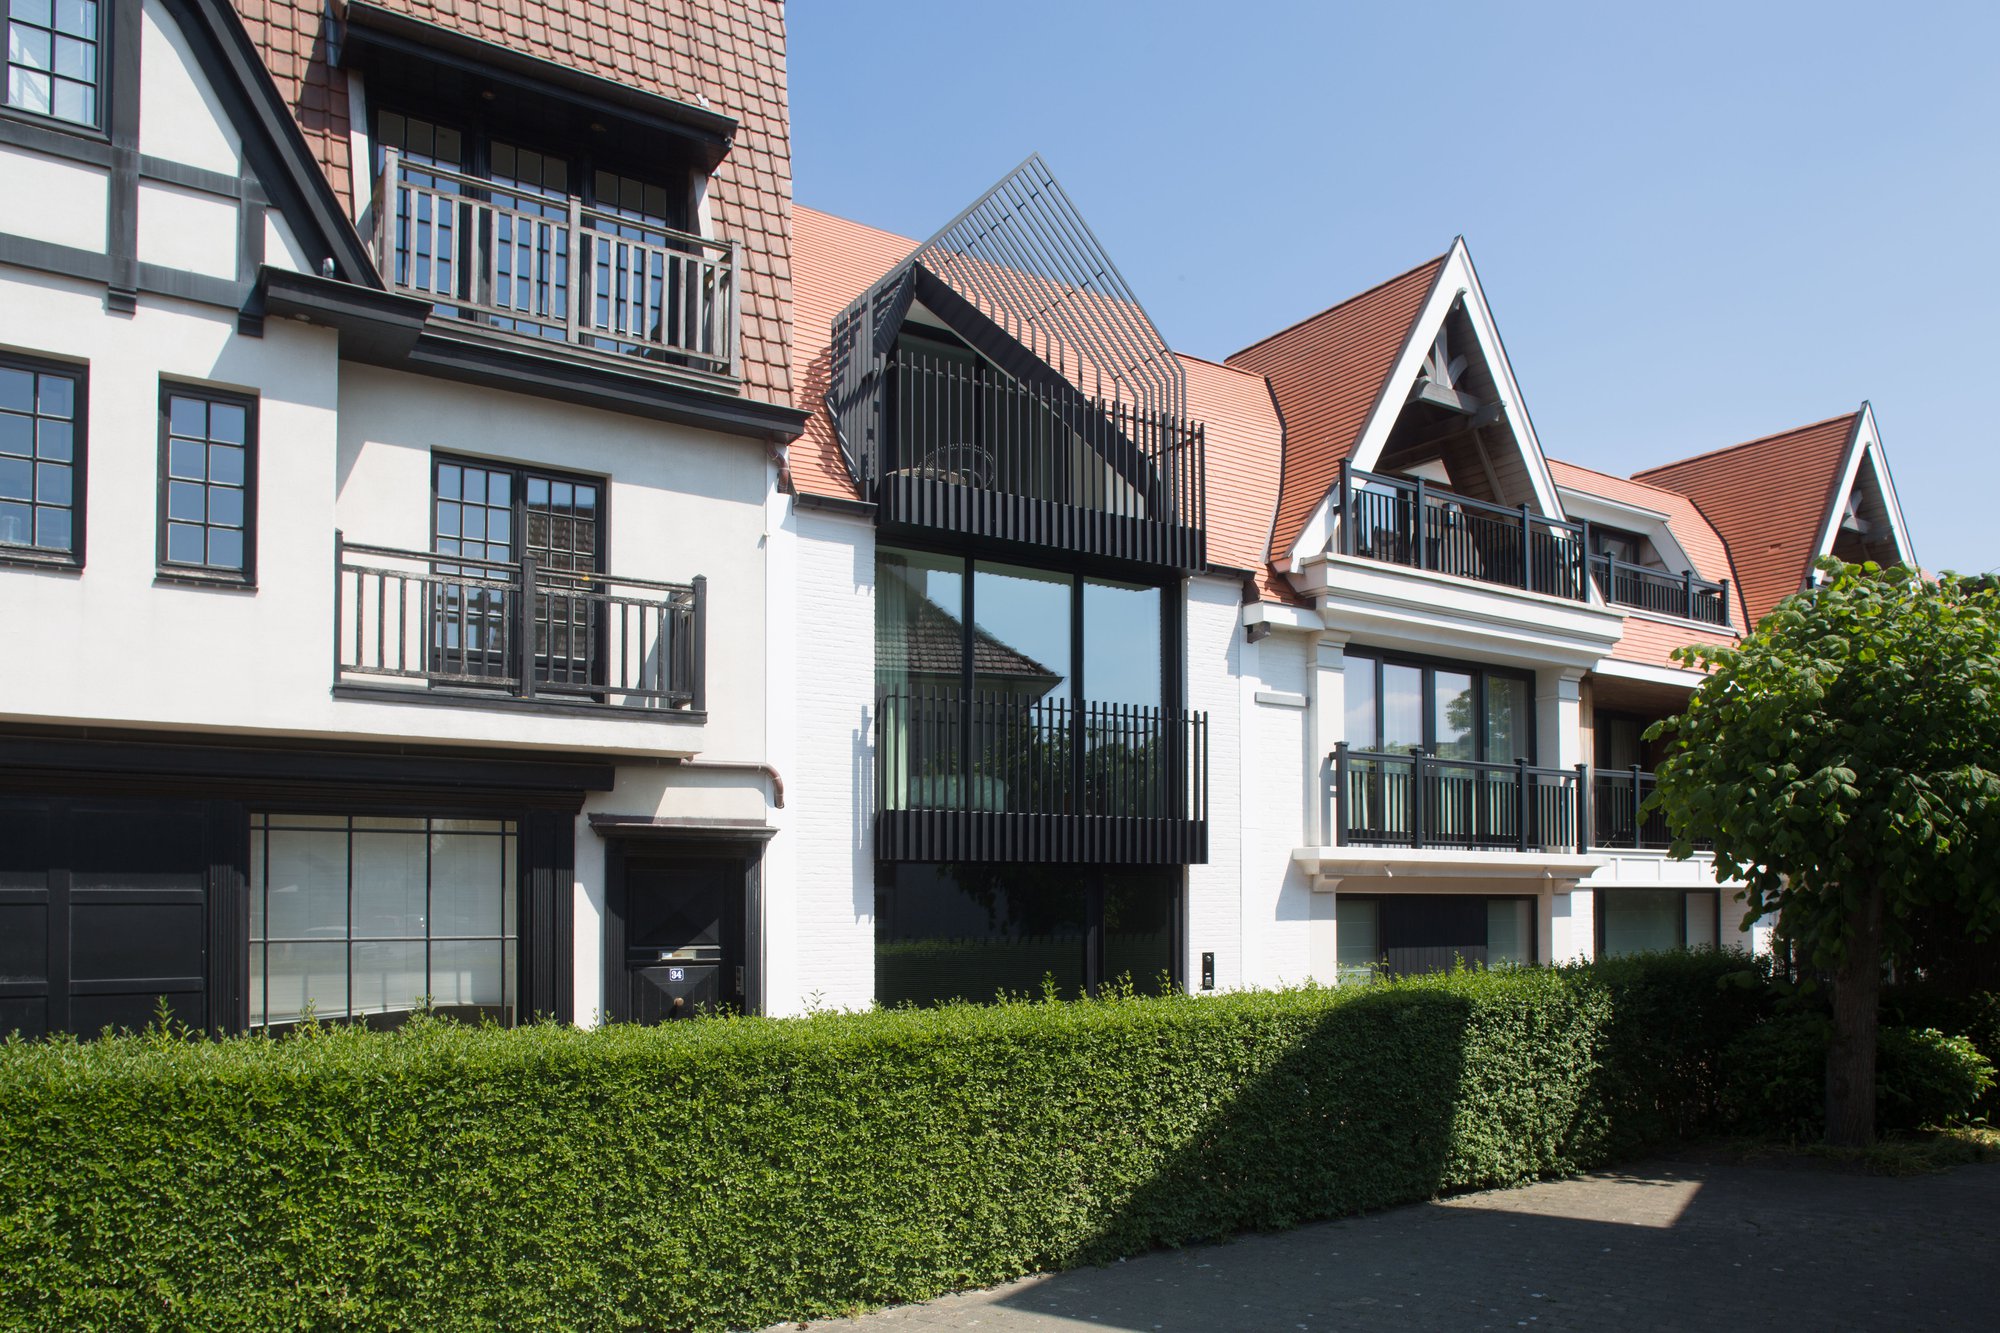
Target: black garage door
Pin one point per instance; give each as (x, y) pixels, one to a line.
(108, 905)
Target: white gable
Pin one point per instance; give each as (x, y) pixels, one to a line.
(1864, 469)
(1457, 285)
(180, 117)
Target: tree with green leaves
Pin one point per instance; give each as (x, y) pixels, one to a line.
(1844, 761)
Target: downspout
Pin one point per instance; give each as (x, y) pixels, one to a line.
(742, 766)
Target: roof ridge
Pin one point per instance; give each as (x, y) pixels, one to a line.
(1221, 365)
(1643, 473)
(1613, 476)
(1340, 304)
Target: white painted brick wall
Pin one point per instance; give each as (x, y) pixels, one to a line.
(830, 866)
(1214, 686)
(1277, 900)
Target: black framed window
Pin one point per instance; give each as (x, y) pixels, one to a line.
(1454, 710)
(208, 483)
(495, 514)
(1036, 634)
(42, 410)
(55, 58)
(372, 917)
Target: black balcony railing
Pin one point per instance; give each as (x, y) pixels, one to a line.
(1681, 595)
(1421, 800)
(1619, 817)
(969, 450)
(997, 776)
(554, 268)
(1416, 524)
(412, 620)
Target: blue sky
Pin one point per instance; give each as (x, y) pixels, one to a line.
(1693, 230)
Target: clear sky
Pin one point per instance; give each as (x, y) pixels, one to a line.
(1696, 223)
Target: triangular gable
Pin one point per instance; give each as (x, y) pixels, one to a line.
(1779, 500)
(271, 140)
(1344, 378)
(1865, 519)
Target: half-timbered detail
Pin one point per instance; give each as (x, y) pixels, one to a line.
(388, 382)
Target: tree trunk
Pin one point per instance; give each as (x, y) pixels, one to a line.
(1850, 1059)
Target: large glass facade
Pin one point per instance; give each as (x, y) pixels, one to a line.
(979, 932)
(373, 917)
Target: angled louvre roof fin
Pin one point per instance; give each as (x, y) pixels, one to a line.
(1024, 256)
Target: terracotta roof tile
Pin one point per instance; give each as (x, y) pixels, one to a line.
(730, 52)
(1768, 498)
(1327, 372)
(1646, 640)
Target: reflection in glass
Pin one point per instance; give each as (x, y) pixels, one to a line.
(1641, 920)
(1357, 940)
(1359, 684)
(919, 621)
(1139, 929)
(1020, 637)
(1510, 931)
(1402, 708)
(974, 932)
(1121, 643)
(1453, 715)
(1702, 920)
(1508, 736)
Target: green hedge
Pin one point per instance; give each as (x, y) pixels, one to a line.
(733, 1172)
(1775, 1077)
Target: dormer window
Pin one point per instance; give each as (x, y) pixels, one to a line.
(548, 245)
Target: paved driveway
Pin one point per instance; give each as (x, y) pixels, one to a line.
(1686, 1243)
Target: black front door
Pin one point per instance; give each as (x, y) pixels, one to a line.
(683, 936)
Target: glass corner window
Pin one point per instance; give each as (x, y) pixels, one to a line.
(55, 58)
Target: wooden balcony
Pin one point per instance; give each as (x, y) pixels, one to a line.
(453, 628)
(526, 264)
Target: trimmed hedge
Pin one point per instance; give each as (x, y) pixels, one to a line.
(1775, 1077)
(733, 1172)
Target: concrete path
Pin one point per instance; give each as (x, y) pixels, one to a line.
(1686, 1243)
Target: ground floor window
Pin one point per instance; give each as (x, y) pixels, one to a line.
(974, 932)
(1649, 920)
(1411, 933)
(373, 917)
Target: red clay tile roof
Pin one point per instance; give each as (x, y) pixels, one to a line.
(833, 261)
(732, 52)
(1769, 499)
(1646, 640)
(1246, 447)
(1328, 371)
